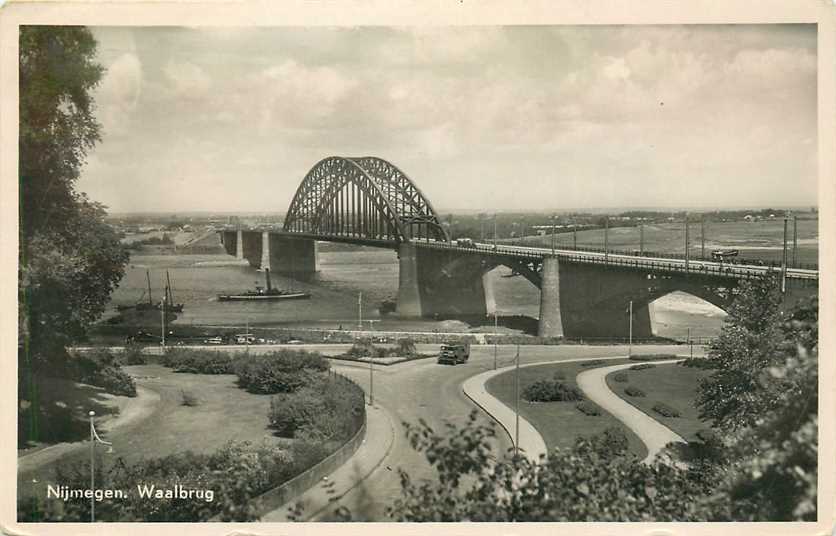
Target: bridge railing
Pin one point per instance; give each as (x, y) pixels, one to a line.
(716, 269)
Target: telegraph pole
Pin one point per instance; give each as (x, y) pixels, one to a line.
(687, 244)
(630, 342)
(784, 260)
(575, 236)
(371, 381)
(92, 468)
(641, 239)
(794, 239)
(495, 329)
(494, 231)
(360, 312)
(517, 406)
(553, 217)
(606, 238)
(162, 321)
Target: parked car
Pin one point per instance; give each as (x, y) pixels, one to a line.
(214, 340)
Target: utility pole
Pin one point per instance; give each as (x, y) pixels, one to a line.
(553, 236)
(517, 405)
(495, 329)
(641, 239)
(92, 468)
(162, 321)
(494, 231)
(575, 236)
(794, 239)
(690, 343)
(687, 244)
(784, 261)
(481, 227)
(630, 342)
(371, 382)
(606, 239)
(360, 312)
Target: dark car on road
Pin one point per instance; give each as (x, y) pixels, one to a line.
(453, 354)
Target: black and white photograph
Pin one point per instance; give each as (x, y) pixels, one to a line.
(410, 273)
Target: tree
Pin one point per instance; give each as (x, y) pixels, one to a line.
(733, 397)
(70, 259)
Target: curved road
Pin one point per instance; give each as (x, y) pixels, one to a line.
(653, 433)
(426, 390)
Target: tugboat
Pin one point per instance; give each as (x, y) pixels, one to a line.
(260, 293)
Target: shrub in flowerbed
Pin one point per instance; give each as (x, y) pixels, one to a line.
(198, 361)
(551, 391)
(665, 410)
(643, 366)
(595, 363)
(651, 357)
(588, 408)
(406, 348)
(365, 348)
(634, 391)
(620, 377)
(700, 363)
(101, 368)
(611, 442)
(327, 410)
(283, 371)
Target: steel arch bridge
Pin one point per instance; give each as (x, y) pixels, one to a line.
(362, 198)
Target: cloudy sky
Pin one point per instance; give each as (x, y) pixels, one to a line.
(509, 118)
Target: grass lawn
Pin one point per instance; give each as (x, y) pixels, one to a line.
(224, 412)
(672, 384)
(560, 423)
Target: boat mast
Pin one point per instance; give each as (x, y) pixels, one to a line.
(267, 274)
(169, 294)
(148, 277)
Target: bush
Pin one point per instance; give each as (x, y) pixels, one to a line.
(610, 443)
(189, 399)
(643, 366)
(365, 348)
(700, 363)
(551, 391)
(283, 371)
(596, 363)
(588, 408)
(634, 391)
(620, 377)
(651, 357)
(198, 361)
(706, 435)
(559, 376)
(665, 410)
(406, 348)
(330, 409)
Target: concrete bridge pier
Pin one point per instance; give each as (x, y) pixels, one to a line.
(434, 283)
(550, 323)
(292, 256)
(265, 251)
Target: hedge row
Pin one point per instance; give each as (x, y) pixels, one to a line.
(101, 368)
(665, 410)
(634, 391)
(643, 366)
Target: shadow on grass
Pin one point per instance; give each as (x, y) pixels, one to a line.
(54, 410)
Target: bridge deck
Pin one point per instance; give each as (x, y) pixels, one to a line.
(638, 262)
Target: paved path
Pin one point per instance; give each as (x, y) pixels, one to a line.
(380, 434)
(653, 433)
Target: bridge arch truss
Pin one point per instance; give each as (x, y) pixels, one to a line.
(363, 198)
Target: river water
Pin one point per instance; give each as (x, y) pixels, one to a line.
(335, 290)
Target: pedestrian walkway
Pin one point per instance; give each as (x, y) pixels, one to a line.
(654, 434)
(380, 433)
(531, 443)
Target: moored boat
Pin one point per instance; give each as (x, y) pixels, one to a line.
(265, 294)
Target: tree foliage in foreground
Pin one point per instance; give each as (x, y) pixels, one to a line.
(70, 259)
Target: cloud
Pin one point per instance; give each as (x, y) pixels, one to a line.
(118, 94)
(187, 80)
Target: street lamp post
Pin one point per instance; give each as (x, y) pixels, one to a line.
(606, 239)
(360, 312)
(553, 236)
(630, 341)
(92, 469)
(687, 244)
(494, 231)
(495, 326)
(371, 381)
(162, 321)
(517, 405)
